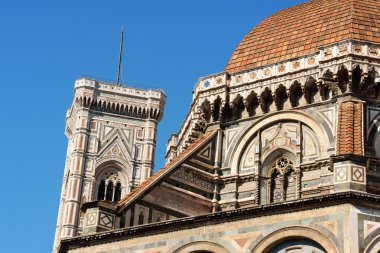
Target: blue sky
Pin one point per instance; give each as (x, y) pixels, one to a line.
(46, 45)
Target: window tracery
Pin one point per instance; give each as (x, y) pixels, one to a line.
(110, 186)
(282, 180)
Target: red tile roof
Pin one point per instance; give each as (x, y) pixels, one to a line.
(303, 29)
(197, 144)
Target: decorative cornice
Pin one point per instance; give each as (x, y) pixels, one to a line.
(353, 198)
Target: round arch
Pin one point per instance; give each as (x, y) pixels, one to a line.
(374, 246)
(374, 135)
(297, 116)
(289, 233)
(200, 246)
(107, 167)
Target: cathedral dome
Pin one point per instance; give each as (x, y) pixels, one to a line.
(303, 29)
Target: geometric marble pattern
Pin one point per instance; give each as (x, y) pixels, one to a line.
(331, 226)
(205, 153)
(369, 227)
(91, 219)
(106, 220)
(244, 241)
(357, 174)
(341, 174)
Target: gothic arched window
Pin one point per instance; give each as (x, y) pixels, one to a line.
(101, 189)
(282, 180)
(111, 185)
(109, 193)
(117, 192)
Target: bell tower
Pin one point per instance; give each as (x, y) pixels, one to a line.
(111, 133)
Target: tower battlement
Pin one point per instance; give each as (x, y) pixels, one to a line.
(129, 101)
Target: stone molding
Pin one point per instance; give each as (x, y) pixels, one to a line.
(349, 197)
(271, 240)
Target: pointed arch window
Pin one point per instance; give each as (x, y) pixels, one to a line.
(117, 192)
(101, 190)
(283, 180)
(110, 186)
(109, 193)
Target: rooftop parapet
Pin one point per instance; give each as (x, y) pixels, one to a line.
(117, 99)
(86, 82)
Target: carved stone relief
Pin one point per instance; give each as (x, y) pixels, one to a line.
(282, 135)
(191, 178)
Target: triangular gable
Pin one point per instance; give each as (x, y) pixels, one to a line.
(115, 147)
(205, 157)
(206, 152)
(196, 146)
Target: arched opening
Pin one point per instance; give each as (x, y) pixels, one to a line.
(111, 182)
(227, 114)
(282, 180)
(373, 246)
(369, 88)
(266, 99)
(216, 112)
(280, 97)
(238, 107)
(343, 79)
(101, 190)
(298, 238)
(252, 104)
(199, 247)
(206, 111)
(301, 245)
(311, 90)
(117, 195)
(325, 87)
(295, 93)
(109, 191)
(356, 79)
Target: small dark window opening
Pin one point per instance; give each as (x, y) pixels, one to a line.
(117, 192)
(101, 190)
(109, 191)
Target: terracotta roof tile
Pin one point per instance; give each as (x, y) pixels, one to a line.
(167, 168)
(317, 23)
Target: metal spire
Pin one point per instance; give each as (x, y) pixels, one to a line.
(120, 54)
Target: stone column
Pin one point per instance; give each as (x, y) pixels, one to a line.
(70, 222)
